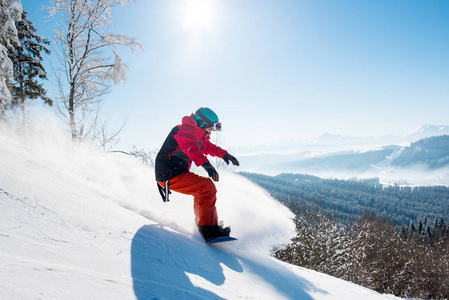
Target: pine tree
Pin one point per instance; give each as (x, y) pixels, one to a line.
(10, 12)
(420, 227)
(412, 227)
(404, 232)
(27, 62)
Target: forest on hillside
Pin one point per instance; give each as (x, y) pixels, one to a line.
(347, 200)
(411, 262)
(393, 239)
(432, 152)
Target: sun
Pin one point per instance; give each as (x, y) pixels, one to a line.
(198, 15)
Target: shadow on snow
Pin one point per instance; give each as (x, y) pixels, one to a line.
(161, 260)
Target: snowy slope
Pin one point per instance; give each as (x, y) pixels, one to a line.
(77, 224)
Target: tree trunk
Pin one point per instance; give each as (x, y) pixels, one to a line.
(72, 112)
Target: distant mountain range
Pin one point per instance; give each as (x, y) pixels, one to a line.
(351, 161)
(432, 152)
(430, 130)
(333, 142)
(426, 148)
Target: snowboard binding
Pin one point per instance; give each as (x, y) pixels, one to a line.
(211, 233)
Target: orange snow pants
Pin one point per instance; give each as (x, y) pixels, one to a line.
(204, 196)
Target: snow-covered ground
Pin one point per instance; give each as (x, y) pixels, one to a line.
(78, 224)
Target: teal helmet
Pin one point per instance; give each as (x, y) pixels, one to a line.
(205, 118)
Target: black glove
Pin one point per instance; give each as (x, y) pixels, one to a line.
(211, 171)
(229, 158)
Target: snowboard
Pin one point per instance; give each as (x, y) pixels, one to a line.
(221, 240)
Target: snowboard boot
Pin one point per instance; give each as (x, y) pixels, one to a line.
(210, 233)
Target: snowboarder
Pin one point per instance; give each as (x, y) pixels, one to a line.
(186, 143)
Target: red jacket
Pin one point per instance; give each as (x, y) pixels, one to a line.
(185, 143)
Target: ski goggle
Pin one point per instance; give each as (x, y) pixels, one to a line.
(217, 126)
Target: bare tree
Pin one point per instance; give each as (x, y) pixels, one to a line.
(91, 63)
(105, 138)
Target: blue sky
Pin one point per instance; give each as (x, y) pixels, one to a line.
(276, 70)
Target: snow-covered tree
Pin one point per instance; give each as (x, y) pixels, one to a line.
(320, 244)
(27, 64)
(376, 250)
(10, 12)
(90, 61)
